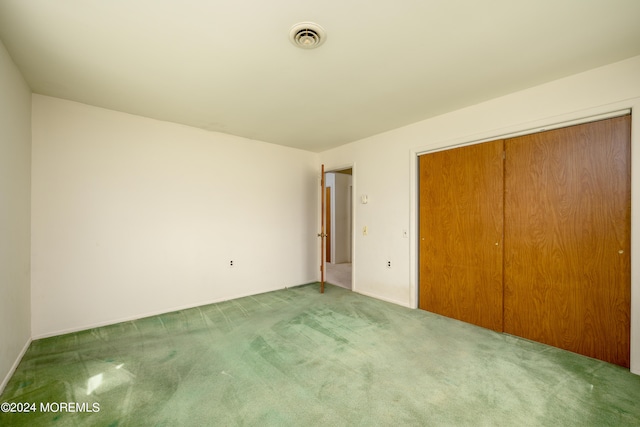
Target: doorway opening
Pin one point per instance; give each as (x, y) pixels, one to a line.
(339, 225)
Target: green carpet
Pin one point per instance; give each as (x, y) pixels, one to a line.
(296, 357)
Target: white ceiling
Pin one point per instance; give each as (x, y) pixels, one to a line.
(228, 66)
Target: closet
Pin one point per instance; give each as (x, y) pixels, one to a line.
(531, 236)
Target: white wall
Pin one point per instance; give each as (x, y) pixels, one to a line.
(386, 171)
(133, 216)
(15, 183)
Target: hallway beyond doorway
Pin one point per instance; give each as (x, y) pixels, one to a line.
(339, 274)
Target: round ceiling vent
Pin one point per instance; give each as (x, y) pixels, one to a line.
(307, 35)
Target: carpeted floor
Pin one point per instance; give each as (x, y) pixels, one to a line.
(296, 357)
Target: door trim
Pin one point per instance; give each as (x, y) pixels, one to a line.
(354, 209)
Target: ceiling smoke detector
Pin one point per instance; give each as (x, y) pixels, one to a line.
(307, 35)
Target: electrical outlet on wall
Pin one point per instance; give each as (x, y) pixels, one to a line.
(388, 264)
(231, 264)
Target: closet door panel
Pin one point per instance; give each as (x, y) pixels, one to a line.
(567, 238)
(461, 213)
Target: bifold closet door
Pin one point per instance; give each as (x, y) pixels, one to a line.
(567, 238)
(461, 214)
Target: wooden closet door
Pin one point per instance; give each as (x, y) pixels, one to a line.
(567, 238)
(461, 213)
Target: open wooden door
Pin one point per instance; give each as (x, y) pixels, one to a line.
(322, 234)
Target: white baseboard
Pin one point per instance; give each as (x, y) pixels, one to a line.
(6, 379)
(148, 314)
